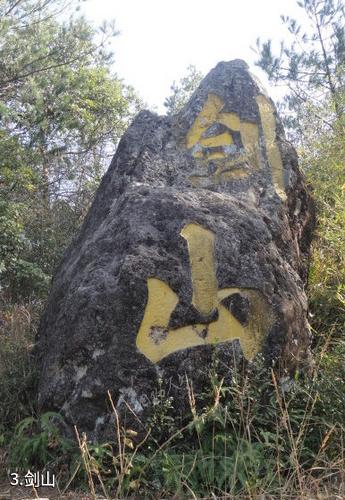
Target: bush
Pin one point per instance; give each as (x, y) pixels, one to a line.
(19, 278)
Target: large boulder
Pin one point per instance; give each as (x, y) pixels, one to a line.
(195, 247)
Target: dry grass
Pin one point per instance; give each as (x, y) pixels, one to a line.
(276, 445)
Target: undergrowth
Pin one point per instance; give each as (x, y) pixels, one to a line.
(257, 436)
(18, 378)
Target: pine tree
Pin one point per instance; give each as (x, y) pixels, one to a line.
(182, 91)
(311, 65)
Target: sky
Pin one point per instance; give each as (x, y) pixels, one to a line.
(160, 38)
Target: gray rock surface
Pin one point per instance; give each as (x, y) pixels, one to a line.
(196, 245)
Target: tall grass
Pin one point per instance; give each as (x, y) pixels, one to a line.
(254, 438)
(18, 323)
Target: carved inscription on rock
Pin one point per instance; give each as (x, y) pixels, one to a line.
(229, 148)
(156, 340)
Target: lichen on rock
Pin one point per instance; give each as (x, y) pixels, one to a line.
(197, 242)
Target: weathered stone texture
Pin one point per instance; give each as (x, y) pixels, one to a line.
(197, 241)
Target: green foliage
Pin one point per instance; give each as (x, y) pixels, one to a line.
(37, 442)
(18, 376)
(254, 437)
(28, 48)
(16, 175)
(23, 277)
(324, 166)
(223, 464)
(62, 113)
(312, 66)
(161, 418)
(10, 236)
(182, 91)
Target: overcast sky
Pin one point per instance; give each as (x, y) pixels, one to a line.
(160, 38)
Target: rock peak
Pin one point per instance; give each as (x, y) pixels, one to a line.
(233, 64)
